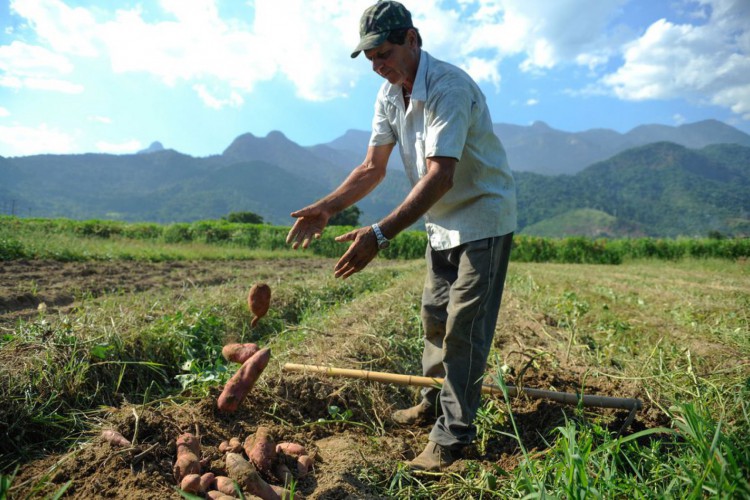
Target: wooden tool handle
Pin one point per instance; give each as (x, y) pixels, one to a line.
(413, 380)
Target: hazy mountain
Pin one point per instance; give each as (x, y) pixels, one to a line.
(661, 189)
(153, 148)
(542, 149)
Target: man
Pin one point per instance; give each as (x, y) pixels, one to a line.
(463, 188)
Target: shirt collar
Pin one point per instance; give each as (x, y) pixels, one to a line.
(419, 91)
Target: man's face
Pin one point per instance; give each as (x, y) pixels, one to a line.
(395, 63)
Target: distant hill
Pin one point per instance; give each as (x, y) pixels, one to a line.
(540, 148)
(658, 189)
(587, 222)
(661, 189)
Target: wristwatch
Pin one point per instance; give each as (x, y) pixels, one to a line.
(383, 242)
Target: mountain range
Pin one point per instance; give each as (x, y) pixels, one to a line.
(654, 180)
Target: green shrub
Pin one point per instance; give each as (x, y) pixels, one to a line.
(11, 249)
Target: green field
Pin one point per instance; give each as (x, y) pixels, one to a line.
(123, 328)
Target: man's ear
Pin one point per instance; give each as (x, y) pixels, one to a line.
(411, 38)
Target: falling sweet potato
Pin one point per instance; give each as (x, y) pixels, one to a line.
(248, 478)
(243, 381)
(261, 451)
(239, 353)
(291, 449)
(258, 301)
(191, 484)
(304, 465)
(115, 438)
(188, 456)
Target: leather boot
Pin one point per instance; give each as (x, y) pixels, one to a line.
(420, 414)
(434, 458)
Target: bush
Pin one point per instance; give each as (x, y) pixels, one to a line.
(11, 249)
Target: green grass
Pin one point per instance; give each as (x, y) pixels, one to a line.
(676, 332)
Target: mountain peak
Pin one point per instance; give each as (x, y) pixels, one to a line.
(540, 125)
(153, 148)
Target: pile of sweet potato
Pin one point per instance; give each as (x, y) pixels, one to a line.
(257, 466)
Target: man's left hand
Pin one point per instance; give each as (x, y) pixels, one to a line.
(363, 249)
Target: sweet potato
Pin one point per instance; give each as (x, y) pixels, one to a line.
(218, 495)
(258, 301)
(188, 453)
(207, 481)
(234, 445)
(261, 451)
(304, 465)
(224, 484)
(243, 381)
(115, 438)
(282, 473)
(239, 353)
(291, 449)
(248, 478)
(191, 484)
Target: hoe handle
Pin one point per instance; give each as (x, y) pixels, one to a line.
(393, 378)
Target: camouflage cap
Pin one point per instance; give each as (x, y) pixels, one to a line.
(378, 21)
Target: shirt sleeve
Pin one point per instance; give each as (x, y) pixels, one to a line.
(447, 121)
(382, 131)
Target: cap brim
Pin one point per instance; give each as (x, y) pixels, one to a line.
(370, 41)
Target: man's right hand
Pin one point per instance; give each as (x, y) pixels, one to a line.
(309, 224)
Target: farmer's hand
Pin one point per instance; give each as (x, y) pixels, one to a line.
(309, 224)
(363, 249)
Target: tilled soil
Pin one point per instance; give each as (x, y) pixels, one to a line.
(296, 407)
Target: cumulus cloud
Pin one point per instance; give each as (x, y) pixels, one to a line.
(307, 43)
(707, 63)
(34, 67)
(18, 140)
(234, 100)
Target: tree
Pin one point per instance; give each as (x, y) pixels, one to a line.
(244, 217)
(347, 217)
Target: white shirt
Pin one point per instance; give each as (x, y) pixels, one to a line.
(448, 116)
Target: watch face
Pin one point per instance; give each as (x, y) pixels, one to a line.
(384, 244)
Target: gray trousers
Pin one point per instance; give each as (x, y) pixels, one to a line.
(460, 304)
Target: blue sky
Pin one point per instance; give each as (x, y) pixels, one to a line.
(82, 76)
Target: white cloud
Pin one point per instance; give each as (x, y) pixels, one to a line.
(131, 146)
(483, 70)
(22, 141)
(29, 66)
(532, 102)
(678, 119)
(4, 113)
(545, 33)
(66, 29)
(707, 63)
(234, 100)
(307, 43)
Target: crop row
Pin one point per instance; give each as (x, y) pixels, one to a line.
(408, 245)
